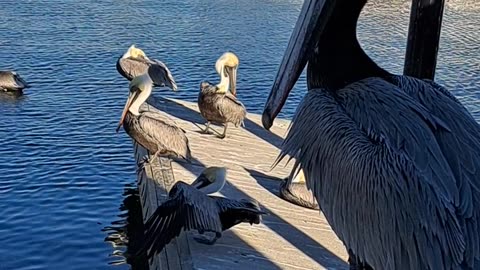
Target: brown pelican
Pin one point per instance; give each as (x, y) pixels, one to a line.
(155, 133)
(11, 81)
(134, 63)
(294, 190)
(218, 103)
(194, 207)
(393, 161)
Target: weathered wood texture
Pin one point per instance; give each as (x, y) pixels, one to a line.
(154, 183)
(423, 38)
(290, 237)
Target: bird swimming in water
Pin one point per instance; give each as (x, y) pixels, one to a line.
(11, 81)
(195, 207)
(154, 132)
(393, 161)
(135, 63)
(218, 103)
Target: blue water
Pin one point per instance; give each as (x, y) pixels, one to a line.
(63, 169)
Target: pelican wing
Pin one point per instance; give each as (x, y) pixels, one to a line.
(379, 175)
(231, 108)
(132, 67)
(186, 209)
(157, 70)
(234, 212)
(461, 148)
(169, 137)
(161, 75)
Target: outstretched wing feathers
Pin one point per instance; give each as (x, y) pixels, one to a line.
(379, 175)
(186, 209)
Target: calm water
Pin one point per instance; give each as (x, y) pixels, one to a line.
(64, 171)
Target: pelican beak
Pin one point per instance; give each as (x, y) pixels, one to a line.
(132, 96)
(209, 176)
(308, 29)
(232, 77)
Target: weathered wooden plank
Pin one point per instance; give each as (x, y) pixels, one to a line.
(423, 38)
(154, 183)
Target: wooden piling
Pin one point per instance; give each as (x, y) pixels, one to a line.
(423, 38)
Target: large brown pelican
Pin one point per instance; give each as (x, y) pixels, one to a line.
(194, 207)
(218, 103)
(393, 161)
(154, 132)
(11, 81)
(135, 62)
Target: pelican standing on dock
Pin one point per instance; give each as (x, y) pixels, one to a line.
(194, 207)
(393, 161)
(135, 63)
(218, 103)
(11, 81)
(157, 135)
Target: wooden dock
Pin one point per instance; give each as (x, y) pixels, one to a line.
(290, 237)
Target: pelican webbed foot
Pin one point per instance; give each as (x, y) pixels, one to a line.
(298, 194)
(207, 240)
(224, 135)
(146, 160)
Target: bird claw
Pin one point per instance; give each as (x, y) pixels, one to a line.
(141, 164)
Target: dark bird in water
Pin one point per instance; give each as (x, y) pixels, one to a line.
(393, 161)
(194, 207)
(11, 81)
(135, 63)
(218, 103)
(154, 131)
(294, 190)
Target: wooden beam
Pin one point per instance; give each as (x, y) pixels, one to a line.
(423, 38)
(154, 182)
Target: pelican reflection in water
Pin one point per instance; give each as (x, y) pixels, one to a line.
(135, 63)
(11, 81)
(153, 131)
(393, 161)
(218, 103)
(195, 207)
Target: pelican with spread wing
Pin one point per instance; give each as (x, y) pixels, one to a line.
(195, 207)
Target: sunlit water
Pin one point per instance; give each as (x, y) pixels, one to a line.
(63, 170)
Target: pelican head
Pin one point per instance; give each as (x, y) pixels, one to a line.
(226, 66)
(310, 32)
(211, 180)
(140, 89)
(134, 52)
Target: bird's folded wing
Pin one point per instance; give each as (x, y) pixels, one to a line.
(370, 155)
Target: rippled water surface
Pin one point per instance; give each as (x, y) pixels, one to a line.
(64, 171)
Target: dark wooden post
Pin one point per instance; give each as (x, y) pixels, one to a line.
(423, 38)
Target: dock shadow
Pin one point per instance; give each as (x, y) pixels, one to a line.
(307, 245)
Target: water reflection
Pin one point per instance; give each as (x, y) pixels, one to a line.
(13, 97)
(126, 234)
